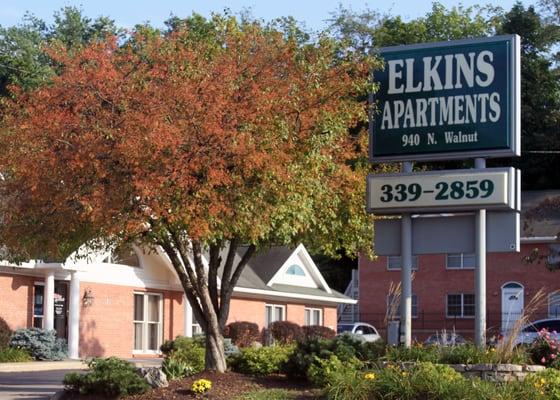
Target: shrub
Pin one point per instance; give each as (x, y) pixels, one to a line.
(464, 354)
(544, 350)
(176, 369)
(189, 351)
(242, 333)
(416, 353)
(285, 331)
(110, 377)
(349, 384)
(321, 370)
(545, 383)
(262, 361)
(5, 334)
(344, 347)
(41, 344)
(317, 332)
(14, 354)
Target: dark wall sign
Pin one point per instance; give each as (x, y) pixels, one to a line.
(448, 100)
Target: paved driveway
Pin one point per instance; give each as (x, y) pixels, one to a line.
(30, 385)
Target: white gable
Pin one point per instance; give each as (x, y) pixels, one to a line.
(300, 270)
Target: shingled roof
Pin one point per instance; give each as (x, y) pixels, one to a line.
(540, 213)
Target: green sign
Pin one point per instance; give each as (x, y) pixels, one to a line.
(447, 100)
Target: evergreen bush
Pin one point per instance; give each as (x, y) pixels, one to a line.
(108, 378)
(41, 344)
(262, 361)
(189, 351)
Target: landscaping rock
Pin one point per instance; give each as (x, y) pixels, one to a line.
(534, 368)
(155, 377)
(458, 367)
(256, 345)
(508, 368)
(482, 367)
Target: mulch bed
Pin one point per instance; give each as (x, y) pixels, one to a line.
(225, 386)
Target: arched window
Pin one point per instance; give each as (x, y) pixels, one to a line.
(123, 255)
(512, 285)
(295, 270)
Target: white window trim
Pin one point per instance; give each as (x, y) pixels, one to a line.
(311, 310)
(447, 315)
(556, 303)
(462, 261)
(415, 265)
(398, 316)
(145, 325)
(282, 306)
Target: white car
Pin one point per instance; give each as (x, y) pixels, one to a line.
(364, 331)
(530, 332)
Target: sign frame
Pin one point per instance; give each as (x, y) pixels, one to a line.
(514, 120)
(511, 192)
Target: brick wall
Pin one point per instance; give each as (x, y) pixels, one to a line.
(16, 300)
(106, 327)
(432, 283)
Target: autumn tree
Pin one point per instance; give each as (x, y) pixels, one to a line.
(190, 143)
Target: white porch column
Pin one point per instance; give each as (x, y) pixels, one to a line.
(74, 317)
(48, 304)
(188, 317)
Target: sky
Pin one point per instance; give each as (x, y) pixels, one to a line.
(313, 13)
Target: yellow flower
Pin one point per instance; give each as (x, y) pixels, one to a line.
(201, 386)
(369, 376)
(543, 381)
(404, 373)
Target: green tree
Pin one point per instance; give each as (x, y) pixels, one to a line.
(23, 61)
(540, 97)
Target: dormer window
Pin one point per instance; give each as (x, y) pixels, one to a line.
(295, 270)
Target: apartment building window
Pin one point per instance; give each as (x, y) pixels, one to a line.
(394, 306)
(460, 261)
(394, 263)
(460, 305)
(313, 316)
(273, 313)
(554, 305)
(147, 322)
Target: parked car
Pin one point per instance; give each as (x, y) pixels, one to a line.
(364, 331)
(530, 332)
(445, 339)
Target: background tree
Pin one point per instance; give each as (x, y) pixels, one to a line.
(236, 139)
(540, 97)
(22, 59)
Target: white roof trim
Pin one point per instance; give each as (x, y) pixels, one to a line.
(310, 266)
(294, 295)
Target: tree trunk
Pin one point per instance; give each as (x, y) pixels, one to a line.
(215, 357)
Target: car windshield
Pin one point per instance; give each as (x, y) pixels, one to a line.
(344, 328)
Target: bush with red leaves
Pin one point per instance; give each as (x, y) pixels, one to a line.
(242, 333)
(285, 331)
(318, 332)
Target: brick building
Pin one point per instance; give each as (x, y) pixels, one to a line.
(126, 303)
(443, 284)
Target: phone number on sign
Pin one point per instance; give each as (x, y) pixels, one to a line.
(456, 190)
